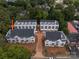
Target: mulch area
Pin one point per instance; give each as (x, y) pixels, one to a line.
(30, 47)
(55, 51)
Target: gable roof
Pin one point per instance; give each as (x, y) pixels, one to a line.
(71, 28)
(53, 36)
(21, 33)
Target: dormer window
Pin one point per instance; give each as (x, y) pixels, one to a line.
(52, 27)
(26, 41)
(8, 40)
(45, 27)
(29, 27)
(33, 27)
(56, 27)
(19, 27)
(22, 27)
(49, 27)
(13, 41)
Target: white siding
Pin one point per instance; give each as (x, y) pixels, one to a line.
(25, 40)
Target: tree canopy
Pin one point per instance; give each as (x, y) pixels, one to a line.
(14, 52)
(30, 9)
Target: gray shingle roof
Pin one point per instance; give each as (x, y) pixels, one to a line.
(42, 22)
(21, 33)
(73, 37)
(53, 36)
(36, 20)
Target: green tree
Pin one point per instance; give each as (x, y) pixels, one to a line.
(2, 40)
(14, 52)
(69, 12)
(76, 3)
(41, 13)
(59, 6)
(50, 2)
(38, 12)
(68, 2)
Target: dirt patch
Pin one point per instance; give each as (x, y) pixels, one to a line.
(30, 47)
(55, 51)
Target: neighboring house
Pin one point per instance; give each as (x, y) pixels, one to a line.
(74, 39)
(31, 24)
(76, 24)
(55, 38)
(20, 36)
(71, 28)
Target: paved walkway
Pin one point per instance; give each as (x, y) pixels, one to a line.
(39, 45)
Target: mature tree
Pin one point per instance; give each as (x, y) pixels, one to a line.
(14, 52)
(68, 2)
(59, 6)
(41, 13)
(38, 12)
(51, 2)
(69, 12)
(2, 40)
(76, 3)
(4, 14)
(76, 17)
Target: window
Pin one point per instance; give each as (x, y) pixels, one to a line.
(17, 40)
(29, 27)
(16, 27)
(26, 41)
(52, 43)
(57, 43)
(56, 27)
(46, 44)
(41, 27)
(62, 44)
(8, 40)
(13, 41)
(56, 23)
(22, 27)
(19, 27)
(52, 27)
(22, 41)
(45, 27)
(32, 40)
(49, 27)
(33, 27)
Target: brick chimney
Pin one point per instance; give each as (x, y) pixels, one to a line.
(12, 23)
